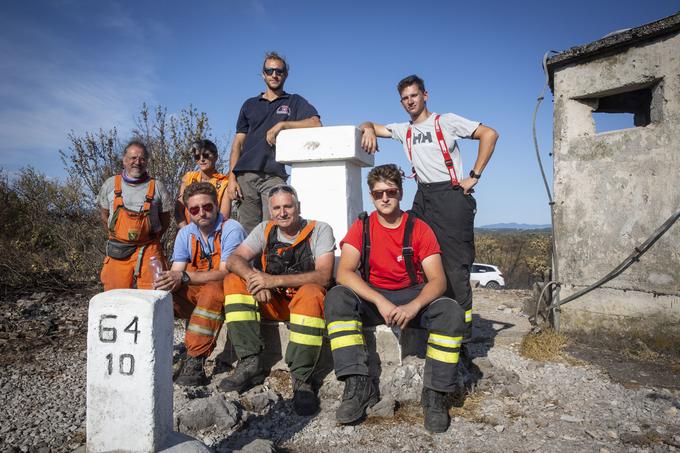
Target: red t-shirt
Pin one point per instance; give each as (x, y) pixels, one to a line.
(386, 264)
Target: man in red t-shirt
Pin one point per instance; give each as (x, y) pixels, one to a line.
(401, 286)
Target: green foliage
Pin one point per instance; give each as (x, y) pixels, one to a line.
(522, 256)
(48, 237)
(52, 235)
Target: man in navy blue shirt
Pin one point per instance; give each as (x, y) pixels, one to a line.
(254, 170)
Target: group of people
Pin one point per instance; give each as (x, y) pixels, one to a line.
(402, 269)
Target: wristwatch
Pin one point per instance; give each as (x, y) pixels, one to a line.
(475, 175)
(185, 278)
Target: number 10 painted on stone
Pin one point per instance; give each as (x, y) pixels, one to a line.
(129, 370)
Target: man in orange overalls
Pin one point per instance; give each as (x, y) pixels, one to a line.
(296, 260)
(136, 210)
(195, 278)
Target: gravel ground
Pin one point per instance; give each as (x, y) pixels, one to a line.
(517, 404)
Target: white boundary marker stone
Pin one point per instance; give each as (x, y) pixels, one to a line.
(129, 371)
(326, 172)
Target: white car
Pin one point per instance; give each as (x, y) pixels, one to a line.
(487, 275)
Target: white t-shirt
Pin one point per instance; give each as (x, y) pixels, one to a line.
(426, 153)
(133, 199)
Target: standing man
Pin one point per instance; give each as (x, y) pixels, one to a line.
(195, 278)
(135, 210)
(254, 169)
(297, 258)
(444, 196)
(401, 284)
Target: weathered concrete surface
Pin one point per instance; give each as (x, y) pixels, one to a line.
(326, 167)
(129, 370)
(613, 189)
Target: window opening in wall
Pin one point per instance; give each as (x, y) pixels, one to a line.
(605, 122)
(623, 110)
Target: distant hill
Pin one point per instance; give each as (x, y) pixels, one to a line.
(514, 226)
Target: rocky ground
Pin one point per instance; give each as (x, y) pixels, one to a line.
(598, 397)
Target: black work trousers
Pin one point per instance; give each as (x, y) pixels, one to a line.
(451, 215)
(346, 314)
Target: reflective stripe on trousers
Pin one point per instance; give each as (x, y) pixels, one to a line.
(347, 314)
(304, 310)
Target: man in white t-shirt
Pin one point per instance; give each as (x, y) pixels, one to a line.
(444, 197)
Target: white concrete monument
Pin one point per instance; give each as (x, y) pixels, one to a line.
(129, 371)
(326, 172)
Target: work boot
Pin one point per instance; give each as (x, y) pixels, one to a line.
(305, 401)
(248, 373)
(466, 355)
(436, 413)
(359, 394)
(192, 373)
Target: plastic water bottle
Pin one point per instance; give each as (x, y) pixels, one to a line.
(156, 267)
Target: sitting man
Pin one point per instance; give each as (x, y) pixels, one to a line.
(296, 260)
(195, 278)
(402, 284)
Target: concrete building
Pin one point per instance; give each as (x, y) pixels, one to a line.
(613, 189)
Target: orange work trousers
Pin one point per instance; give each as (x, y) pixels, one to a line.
(117, 274)
(202, 306)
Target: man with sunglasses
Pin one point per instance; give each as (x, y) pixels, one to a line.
(401, 285)
(444, 196)
(254, 169)
(195, 278)
(295, 261)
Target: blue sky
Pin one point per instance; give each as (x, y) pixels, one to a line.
(81, 65)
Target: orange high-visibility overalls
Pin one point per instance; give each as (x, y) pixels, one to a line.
(201, 304)
(134, 228)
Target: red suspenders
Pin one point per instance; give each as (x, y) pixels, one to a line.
(442, 145)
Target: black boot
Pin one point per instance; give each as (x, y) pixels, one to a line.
(192, 373)
(248, 373)
(359, 394)
(436, 413)
(305, 401)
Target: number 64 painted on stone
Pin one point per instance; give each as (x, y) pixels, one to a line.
(109, 334)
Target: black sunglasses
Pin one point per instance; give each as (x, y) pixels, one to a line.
(282, 188)
(203, 155)
(270, 71)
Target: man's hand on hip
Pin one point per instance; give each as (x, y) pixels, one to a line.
(467, 184)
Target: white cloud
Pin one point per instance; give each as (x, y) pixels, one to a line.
(50, 85)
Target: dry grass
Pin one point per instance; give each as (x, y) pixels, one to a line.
(544, 346)
(279, 381)
(470, 406)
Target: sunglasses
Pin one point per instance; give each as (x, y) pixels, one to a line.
(391, 193)
(206, 156)
(270, 71)
(282, 188)
(194, 210)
